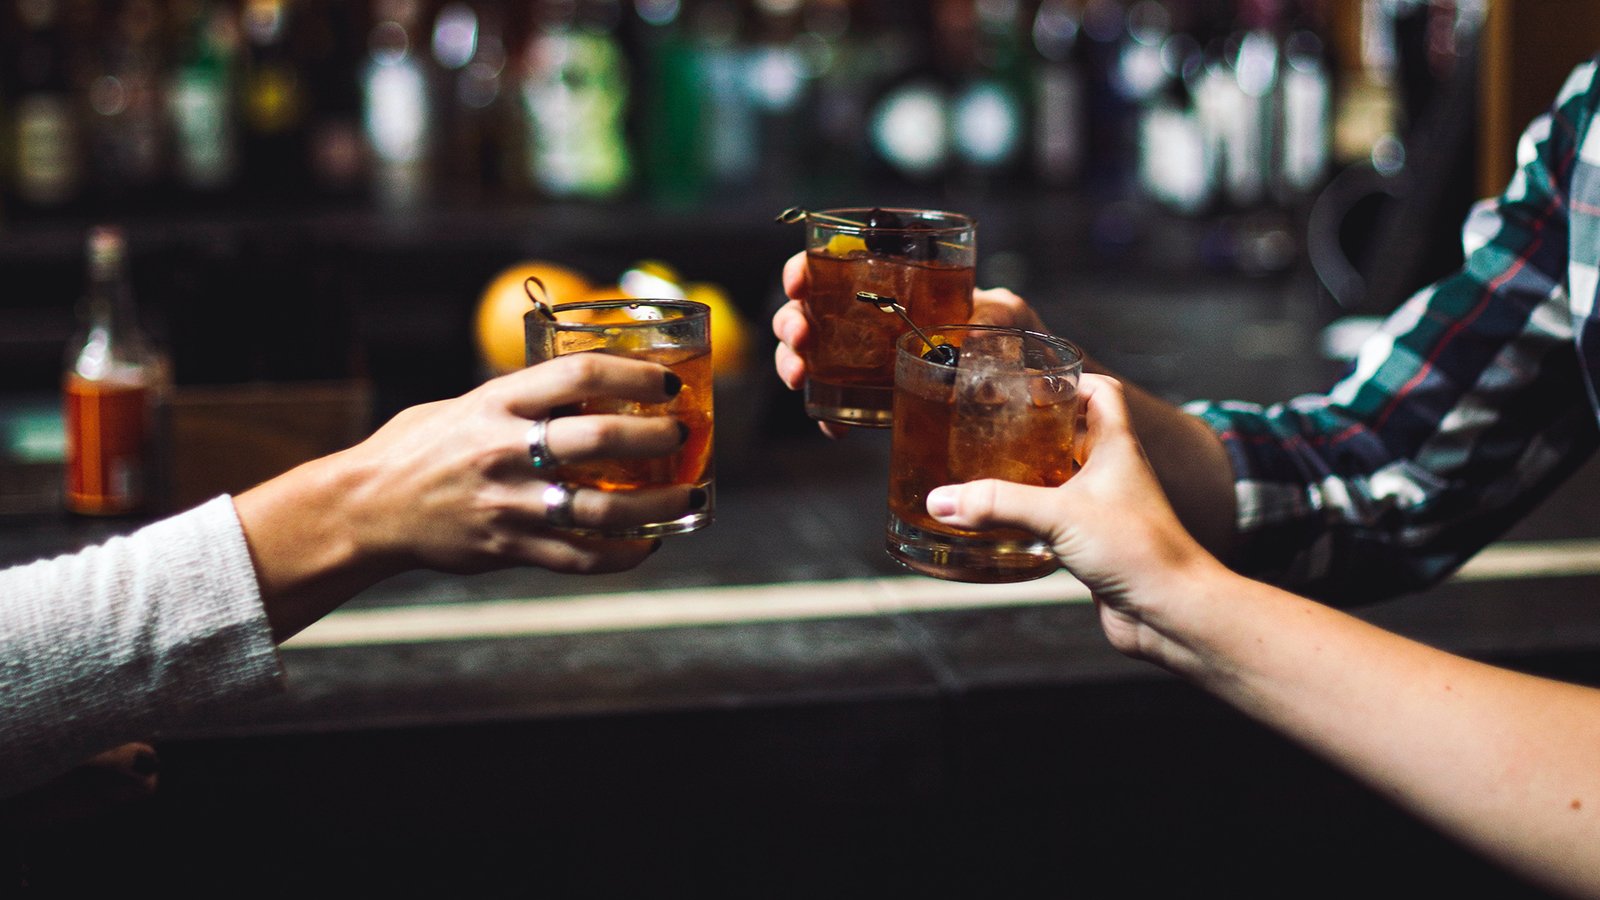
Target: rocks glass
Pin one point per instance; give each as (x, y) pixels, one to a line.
(1007, 409)
(921, 259)
(674, 333)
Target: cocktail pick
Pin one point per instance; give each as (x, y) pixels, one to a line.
(795, 214)
(943, 354)
(799, 213)
(541, 302)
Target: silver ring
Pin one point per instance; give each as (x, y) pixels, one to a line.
(538, 450)
(558, 505)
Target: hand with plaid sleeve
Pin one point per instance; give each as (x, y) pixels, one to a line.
(1476, 397)
(1472, 402)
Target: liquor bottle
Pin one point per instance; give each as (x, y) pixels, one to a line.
(780, 84)
(273, 148)
(128, 127)
(114, 390)
(844, 60)
(1255, 63)
(1307, 110)
(909, 115)
(1109, 164)
(331, 38)
(575, 98)
(673, 105)
(1060, 111)
(398, 104)
(989, 118)
(732, 122)
(1177, 160)
(46, 152)
(201, 98)
(469, 48)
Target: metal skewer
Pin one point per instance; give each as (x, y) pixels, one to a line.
(795, 213)
(798, 213)
(946, 354)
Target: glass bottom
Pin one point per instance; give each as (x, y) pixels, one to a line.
(693, 521)
(847, 404)
(962, 558)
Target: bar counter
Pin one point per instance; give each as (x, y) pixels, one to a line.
(772, 707)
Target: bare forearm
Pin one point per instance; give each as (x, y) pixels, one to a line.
(303, 544)
(1504, 761)
(1190, 462)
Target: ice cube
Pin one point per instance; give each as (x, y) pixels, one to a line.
(987, 374)
(853, 341)
(1050, 390)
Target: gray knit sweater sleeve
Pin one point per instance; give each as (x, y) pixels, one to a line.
(114, 643)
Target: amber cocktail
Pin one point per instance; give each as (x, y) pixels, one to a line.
(1007, 408)
(674, 333)
(922, 259)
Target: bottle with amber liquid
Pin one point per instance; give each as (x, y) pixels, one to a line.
(114, 391)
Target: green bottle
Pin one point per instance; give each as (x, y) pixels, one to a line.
(201, 99)
(575, 98)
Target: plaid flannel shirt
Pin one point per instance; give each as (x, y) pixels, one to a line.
(1472, 402)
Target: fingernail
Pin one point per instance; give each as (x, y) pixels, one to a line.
(698, 498)
(655, 545)
(683, 434)
(672, 384)
(941, 503)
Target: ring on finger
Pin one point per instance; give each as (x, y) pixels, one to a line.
(538, 445)
(558, 505)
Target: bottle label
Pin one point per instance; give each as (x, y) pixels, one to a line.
(46, 158)
(576, 101)
(272, 100)
(108, 431)
(987, 124)
(205, 138)
(397, 112)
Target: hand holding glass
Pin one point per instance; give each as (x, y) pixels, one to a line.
(1006, 408)
(921, 259)
(674, 333)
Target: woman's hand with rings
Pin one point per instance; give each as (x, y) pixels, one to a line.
(451, 485)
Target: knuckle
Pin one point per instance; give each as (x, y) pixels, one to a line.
(587, 371)
(592, 434)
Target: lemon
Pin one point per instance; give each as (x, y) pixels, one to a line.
(652, 279)
(498, 325)
(845, 244)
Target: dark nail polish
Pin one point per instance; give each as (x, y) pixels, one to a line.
(672, 384)
(655, 545)
(683, 434)
(698, 498)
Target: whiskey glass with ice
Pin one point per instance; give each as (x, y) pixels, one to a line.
(973, 402)
(674, 333)
(924, 259)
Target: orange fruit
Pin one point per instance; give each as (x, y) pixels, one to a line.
(498, 325)
(606, 292)
(730, 332)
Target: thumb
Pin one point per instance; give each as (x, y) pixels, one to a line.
(992, 503)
